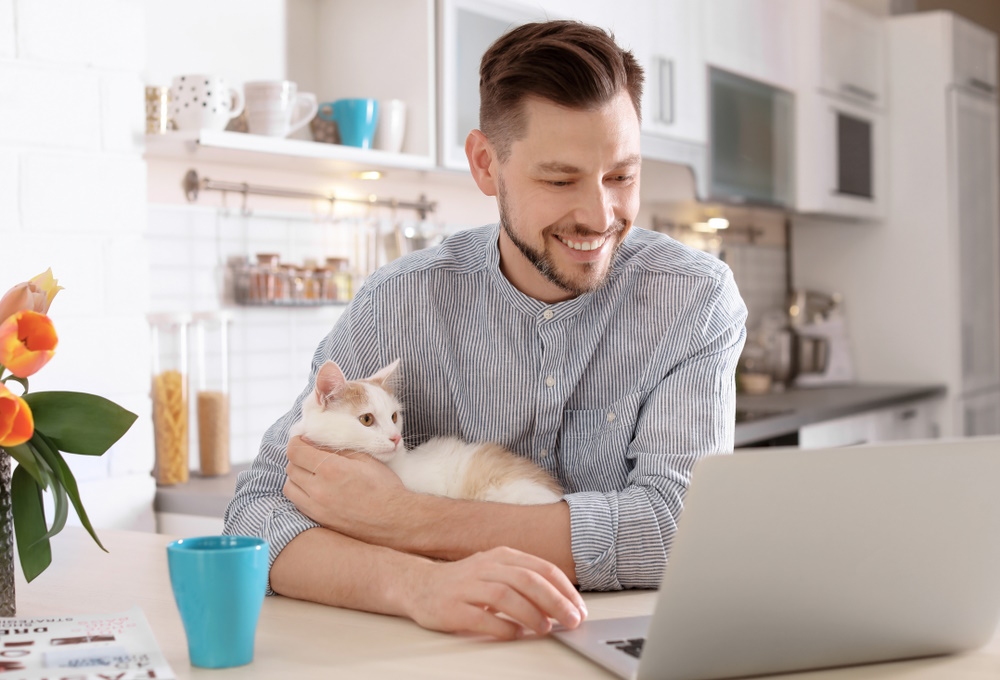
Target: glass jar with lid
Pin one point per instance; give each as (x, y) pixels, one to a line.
(169, 393)
(211, 350)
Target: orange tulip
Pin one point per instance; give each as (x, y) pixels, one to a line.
(27, 342)
(35, 295)
(16, 423)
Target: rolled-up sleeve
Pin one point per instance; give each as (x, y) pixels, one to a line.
(259, 507)
(622, 539)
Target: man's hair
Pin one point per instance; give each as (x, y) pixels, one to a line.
(566, 62)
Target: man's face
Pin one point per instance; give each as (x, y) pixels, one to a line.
(568, 193)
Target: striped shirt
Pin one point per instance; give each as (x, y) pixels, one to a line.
(616, 392)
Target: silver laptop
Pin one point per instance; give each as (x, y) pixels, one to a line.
(796, 559)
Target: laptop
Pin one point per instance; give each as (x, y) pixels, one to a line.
(790, 559)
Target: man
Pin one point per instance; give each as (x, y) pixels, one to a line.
(606, 355)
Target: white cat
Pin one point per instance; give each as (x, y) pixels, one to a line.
(365, 415)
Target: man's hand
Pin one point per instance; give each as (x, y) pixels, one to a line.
(349, 492)
(500, 592)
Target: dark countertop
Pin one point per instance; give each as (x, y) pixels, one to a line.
(796, 408)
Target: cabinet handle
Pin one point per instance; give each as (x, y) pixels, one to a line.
(859, 92)
(665, 71)
(982, 85)
(908, 414)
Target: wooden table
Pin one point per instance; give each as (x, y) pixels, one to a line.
(304, 640)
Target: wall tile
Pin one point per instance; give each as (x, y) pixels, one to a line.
(76, 261)
(126, 275)
(102, 33)
(8, 35)
(49, 107)
(84, 193)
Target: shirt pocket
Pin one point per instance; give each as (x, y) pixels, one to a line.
(593, 443)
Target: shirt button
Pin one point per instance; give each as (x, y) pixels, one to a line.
(548, 314)
(550, 381)
(611, 416)
(543, 453)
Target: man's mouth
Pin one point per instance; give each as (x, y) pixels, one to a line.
(583, 244)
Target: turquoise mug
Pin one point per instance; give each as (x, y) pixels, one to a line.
(356, 120)
(219, 584)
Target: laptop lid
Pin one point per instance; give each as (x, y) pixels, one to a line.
(794, 559)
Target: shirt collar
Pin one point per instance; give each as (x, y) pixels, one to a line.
(525, 303)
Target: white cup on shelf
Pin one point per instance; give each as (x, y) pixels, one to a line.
(276, 108)
(203, 102)
(391, 129)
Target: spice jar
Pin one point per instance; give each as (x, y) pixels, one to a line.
(169, 392)
(211, 344)
(341, 278)
(266, 279)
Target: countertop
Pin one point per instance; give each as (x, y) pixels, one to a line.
(793, 409)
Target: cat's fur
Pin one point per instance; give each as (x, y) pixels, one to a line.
(333, 415)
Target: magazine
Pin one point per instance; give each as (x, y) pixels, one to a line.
(89, 647)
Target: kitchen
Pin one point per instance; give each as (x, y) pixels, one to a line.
(85, 191)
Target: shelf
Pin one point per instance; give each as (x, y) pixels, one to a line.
(274, 152)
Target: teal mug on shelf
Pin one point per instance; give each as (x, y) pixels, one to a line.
(219, 584)
(356, 120)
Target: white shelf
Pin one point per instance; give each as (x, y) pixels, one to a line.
(275, 152)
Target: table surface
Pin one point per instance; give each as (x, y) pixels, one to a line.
(306, 640)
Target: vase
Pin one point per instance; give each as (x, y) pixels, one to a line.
(7, 604)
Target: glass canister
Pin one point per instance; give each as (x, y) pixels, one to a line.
(169, 392)
(211, 346)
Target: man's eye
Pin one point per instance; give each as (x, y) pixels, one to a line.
(622, 178)
(559, 183)
(368, 420)
(394, 416)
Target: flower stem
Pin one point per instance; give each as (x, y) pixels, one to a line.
(22, 381)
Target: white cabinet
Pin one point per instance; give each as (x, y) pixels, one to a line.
(976, 203)
(851, 51)
(914, 420)
(975, 57)
(466, 29)
(752, 38)
(980, 414)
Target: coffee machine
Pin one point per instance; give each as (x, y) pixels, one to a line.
(820, 346)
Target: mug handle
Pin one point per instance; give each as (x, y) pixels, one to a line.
(304, 100)
(238, 102)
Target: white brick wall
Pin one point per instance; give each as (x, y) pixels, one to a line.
(73, 197)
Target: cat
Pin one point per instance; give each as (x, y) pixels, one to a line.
(365, 415)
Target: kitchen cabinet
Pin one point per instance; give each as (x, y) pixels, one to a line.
(922, 288)
(915, 420)
(752, 38)
(980, 414)
(849, 57)
(466, 29)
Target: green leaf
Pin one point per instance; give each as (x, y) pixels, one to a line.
(26, 458)
(78, 422)
(64, 476)
(29, 524)
(61, 511)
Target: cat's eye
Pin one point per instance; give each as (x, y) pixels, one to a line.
(394, 415)
(367, 420)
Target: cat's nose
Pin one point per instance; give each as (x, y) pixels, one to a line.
(395, 439)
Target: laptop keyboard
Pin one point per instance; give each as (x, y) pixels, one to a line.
(631, 646)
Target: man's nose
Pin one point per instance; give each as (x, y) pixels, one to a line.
(597, 209)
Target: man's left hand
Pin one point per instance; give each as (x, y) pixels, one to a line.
(349, 492)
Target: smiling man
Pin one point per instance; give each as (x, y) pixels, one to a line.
(603, 353)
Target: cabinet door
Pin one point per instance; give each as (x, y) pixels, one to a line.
(975, 57)
(917, 420)
(846, 431)
(675, 98)
(752, 38)
(973, 132)
(853, 53)
(468, 28)
(980, 415)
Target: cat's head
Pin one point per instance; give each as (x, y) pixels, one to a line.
(362, 415)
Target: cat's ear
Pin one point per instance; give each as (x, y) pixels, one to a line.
(330, 382)
(387, 377)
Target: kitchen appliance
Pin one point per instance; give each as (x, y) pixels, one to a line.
(752, 127)
(820, 344)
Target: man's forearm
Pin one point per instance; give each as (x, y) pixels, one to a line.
(320, 565)
(449, 529)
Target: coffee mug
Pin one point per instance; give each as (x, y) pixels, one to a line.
(391, 126)
(203, 102)
(356, 120)
(219, 584)
(276, 108)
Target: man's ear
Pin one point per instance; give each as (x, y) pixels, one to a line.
(482, 162)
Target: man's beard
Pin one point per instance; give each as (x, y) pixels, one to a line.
(541, 259)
